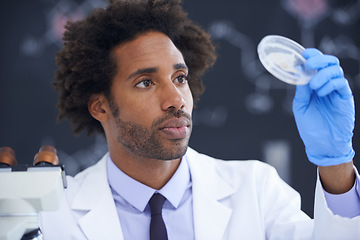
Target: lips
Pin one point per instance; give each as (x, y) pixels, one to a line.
(176, 128)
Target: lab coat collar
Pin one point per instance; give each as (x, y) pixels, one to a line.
(94, 200)
(210, 192)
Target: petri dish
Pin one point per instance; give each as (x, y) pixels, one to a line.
(282, 57)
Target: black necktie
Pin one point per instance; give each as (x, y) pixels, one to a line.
(157, 225)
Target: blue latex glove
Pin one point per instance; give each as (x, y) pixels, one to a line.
(324, 111)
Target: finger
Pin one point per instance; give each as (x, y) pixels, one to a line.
(340, 85)
(302, 99)
(321, 61)
(310, 52)
(325, 75)
(302, 94)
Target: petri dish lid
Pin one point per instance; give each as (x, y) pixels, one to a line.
(282, 57)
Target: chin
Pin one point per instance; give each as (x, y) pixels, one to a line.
(172, 153)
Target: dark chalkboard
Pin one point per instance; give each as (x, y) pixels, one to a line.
(245, 113)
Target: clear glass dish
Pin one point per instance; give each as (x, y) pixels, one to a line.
(282, 57)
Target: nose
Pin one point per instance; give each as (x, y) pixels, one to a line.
(172, 97)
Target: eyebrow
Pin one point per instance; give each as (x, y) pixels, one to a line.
(154, 69)
(142, 71)
(180, 66)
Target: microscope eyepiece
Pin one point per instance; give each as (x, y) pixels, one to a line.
(46, 156)
(7, 157)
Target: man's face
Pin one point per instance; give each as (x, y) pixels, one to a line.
(151, 101)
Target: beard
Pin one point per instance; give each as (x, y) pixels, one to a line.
(148, 142)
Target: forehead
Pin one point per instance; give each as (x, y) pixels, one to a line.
(151, 49)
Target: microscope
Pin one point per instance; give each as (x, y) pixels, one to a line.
(27, 190)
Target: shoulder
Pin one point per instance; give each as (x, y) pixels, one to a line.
(234, 164)
(231, 169)
(91, 173)
(94, 169)
(252, 178)
(86, 185)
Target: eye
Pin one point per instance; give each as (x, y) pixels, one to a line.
(145, 83)
(181, 79)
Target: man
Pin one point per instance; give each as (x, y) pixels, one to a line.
(131, 71)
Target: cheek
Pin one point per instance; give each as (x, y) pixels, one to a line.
(189, 101)
(140, 111)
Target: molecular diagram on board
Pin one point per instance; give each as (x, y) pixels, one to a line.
(56, 14)
(308, 13)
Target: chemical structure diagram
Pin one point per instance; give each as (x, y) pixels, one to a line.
(308, 13)
(56, 16)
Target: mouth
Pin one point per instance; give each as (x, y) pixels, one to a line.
(176, 128)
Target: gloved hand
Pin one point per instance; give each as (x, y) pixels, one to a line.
(324, 111)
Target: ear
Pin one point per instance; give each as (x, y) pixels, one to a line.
(98, 107)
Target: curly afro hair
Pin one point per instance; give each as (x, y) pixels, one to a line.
(86, 65)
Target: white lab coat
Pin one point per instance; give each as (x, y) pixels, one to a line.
(231, 200)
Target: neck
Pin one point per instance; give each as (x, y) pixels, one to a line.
(151, 172)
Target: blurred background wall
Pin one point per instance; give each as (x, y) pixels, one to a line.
(245, 113)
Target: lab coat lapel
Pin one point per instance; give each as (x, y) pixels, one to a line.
(95, 201)
(210, 191)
